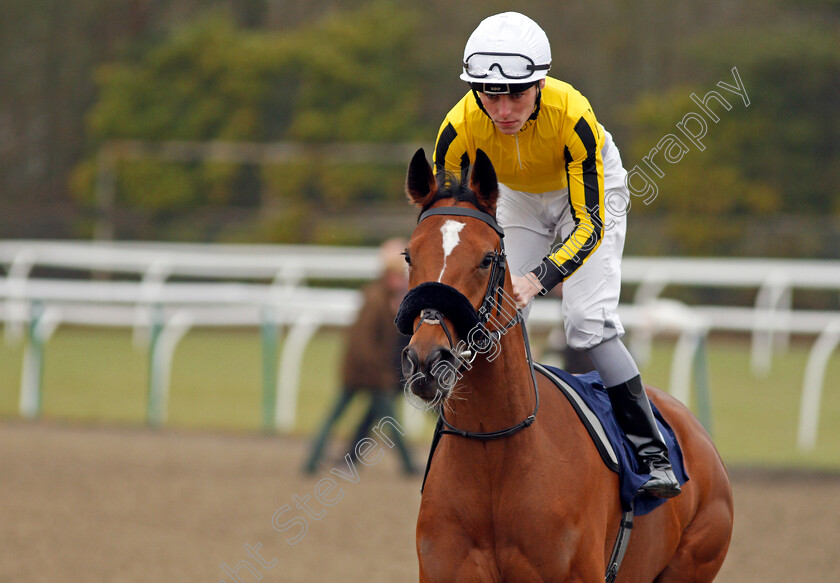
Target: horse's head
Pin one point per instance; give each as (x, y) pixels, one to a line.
(456, 274)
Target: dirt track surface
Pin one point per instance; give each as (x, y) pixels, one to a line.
(131, 505)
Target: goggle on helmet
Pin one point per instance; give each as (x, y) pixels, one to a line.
(507, 53)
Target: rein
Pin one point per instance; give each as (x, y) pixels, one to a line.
(492, 298)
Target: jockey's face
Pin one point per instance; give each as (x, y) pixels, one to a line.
(510, 112)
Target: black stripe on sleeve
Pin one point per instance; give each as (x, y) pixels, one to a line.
(447, 136)
(589, 166)
(567, 155)
(550, 273)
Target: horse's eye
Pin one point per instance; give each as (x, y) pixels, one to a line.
(406, 256)
(487, 261)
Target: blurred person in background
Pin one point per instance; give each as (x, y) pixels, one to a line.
(560, 176)
(372, 359)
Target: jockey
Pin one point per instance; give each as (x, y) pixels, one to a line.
(560, 177)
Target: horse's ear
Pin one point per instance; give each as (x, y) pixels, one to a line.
(420, 185)
(483, 181)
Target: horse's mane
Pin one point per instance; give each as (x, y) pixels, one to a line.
(449, 185)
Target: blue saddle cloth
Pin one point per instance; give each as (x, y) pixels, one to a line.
(591, 389)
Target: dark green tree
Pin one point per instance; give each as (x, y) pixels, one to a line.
(779, 155)
(351, 76)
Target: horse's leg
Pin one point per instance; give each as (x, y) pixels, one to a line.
(459, 564)
(446, 550)
(705, 539)
(703, 546)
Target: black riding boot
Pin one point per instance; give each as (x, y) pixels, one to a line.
(635, 417)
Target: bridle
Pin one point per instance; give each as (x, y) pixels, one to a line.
(444, 298)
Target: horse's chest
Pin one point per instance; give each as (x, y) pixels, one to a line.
(517, 541)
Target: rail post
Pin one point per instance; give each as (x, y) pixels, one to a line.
(42, 323)
(269, 368)
(701, 383)
(155, 331)
(812, 385)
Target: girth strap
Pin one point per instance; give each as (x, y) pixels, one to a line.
(620, 546)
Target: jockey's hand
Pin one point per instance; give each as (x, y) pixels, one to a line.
(525, 288)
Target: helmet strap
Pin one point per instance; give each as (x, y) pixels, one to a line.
(537, 104)
(480, 105)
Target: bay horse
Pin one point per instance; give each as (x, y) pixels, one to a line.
(516, 491)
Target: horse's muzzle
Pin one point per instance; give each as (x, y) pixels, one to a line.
(430, 378)
(431, 371)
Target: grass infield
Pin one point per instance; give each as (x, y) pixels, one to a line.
(99, 376)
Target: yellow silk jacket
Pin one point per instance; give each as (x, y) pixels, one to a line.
(560, 148)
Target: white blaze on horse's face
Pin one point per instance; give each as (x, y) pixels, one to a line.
(451, 237)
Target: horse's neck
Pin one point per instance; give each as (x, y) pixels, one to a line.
(496, 393)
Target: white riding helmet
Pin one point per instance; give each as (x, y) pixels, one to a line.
(506, 51)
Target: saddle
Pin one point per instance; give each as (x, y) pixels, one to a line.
(589, 399)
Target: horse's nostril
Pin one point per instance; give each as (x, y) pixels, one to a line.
(439, 360)
(409, 361)
(434, 357)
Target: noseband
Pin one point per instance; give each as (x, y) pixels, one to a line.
(433, 300)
